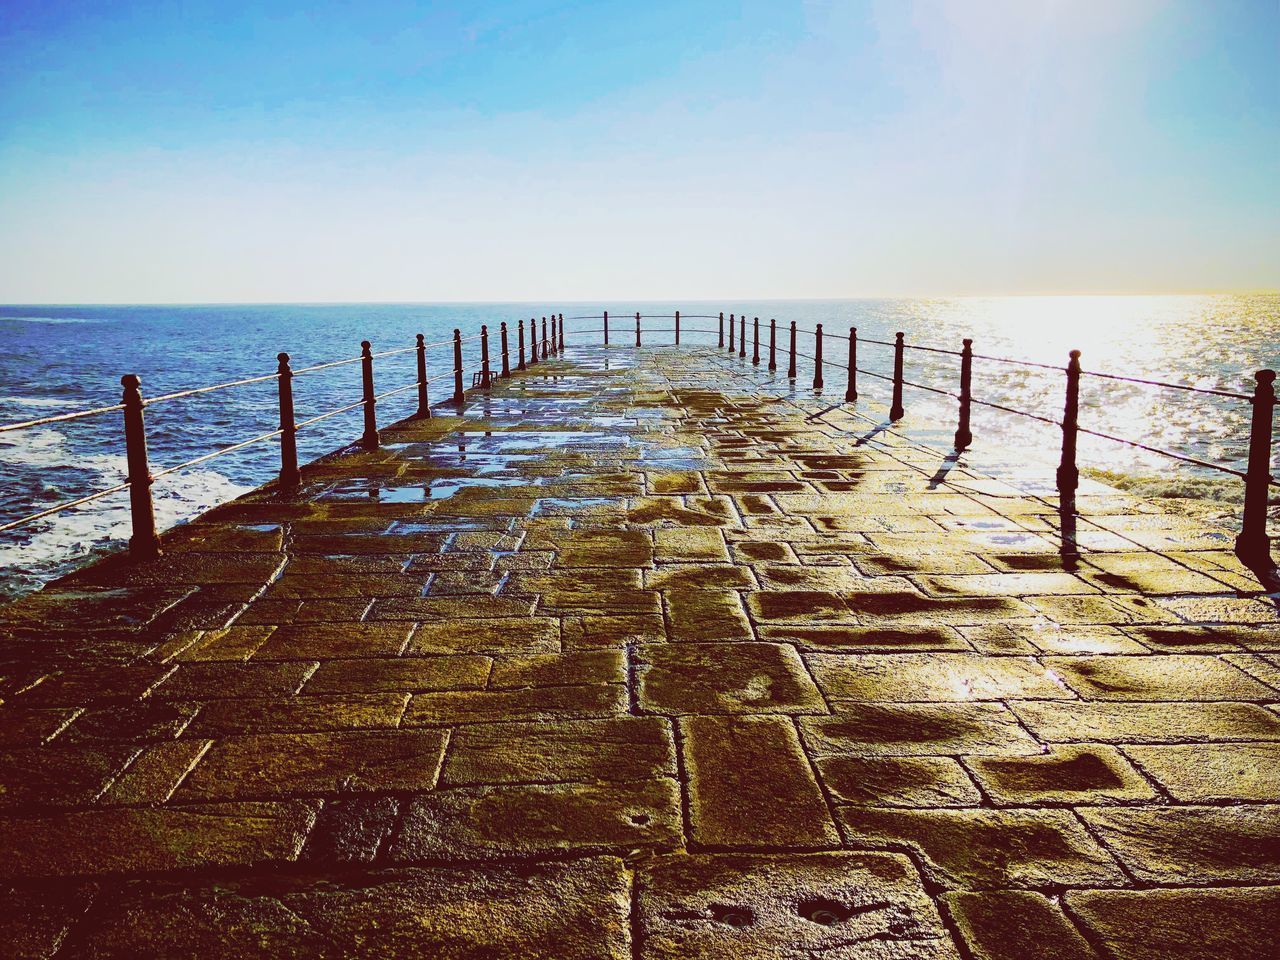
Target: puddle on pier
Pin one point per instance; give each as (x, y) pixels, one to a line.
(421, 492)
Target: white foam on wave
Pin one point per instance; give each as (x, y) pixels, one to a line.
(49, 402)
(52, 319)
(58, 543)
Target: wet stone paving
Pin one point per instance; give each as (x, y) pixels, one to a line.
(643, 656)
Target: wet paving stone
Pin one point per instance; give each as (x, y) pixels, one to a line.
(1189, 845)
(550, 911)
(540, 819)
(879, 729)
(351, 711)
(139, 839)
(1185, 677)
(761, 907)
(1147, 722)
(750, 785)
(898, 781)
(706, 616)
(395, 675)
(156, 772)
(1015, 925)
(501, 635)
(67, 776)
(1207, 773)
(1067, 775)
(614, 749)
(534, 703)
(982, 849)
(303, 764)
(1242, 923)
(935, 677)
(715, 678)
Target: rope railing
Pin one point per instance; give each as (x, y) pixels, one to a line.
(523, 346)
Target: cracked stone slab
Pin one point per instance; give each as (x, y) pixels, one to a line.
(846, 906)
(548, 911)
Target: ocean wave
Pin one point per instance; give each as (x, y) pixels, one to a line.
(43, 402)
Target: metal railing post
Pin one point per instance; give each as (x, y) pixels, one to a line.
(677, 328)
(895, 409)
(637, 329)
(370, 436)
(484, 356)
(288, 431)
(963, 436)
(457, 366)
(562, 332)
(144, 544)
(555, 337)
(791, 364)
(755, 346)
(606, 328)
(851, 390)
(732, 323)
(742, 338)
(721, 344)
(817, 359)
(1253, 546)
(544, 338)
(521, 365)
(773, 344)
(533, 340)
(506, 354)
(424, 403)
(1068, 473)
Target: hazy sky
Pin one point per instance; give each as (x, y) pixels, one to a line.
(511, 149)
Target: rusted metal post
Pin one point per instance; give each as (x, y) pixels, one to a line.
(606, 328)
(1068, 474)
(288, 431)
(755, 344)
(562, 332)
(677, 328)
(817, 359)
(791, 365)
(555, 337)
(963, 436)
(742, 338)
(457, 366)
(484, 357)
(732, 322)
(370, 436)
(533, 340)
(895, 409)
(544, 338)
(637, 328)
(424, 403)
(506, 356)
(773, 344)
(1253, 546)
(144, 544)
(851, 390)
(520, 333)
(721, 344)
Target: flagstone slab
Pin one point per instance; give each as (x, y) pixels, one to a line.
(303, 714)
(486, 636)
(717, 678)
(1015, 925)
(1115, 722)
(266, 766)
(571, 668)
(1186, 677)
(983, 849)
(156, 772)
(1077, 774)
(529, 820)
(750, 785)
(897, 781)
(909, 729)
(399, 674)
(846, 906)
(934, 677)
(59, 776)
(551, 911)
(532, 703)
(1241, 922)
(1211, 773)
(141, 839)
(1190, 845)
(706, 615)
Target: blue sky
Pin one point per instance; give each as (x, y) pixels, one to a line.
(189, 151)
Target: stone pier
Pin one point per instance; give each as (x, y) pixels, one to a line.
(641, 655)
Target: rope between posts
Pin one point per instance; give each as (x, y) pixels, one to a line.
(216, 453)
(13, 524)
(59, 418)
